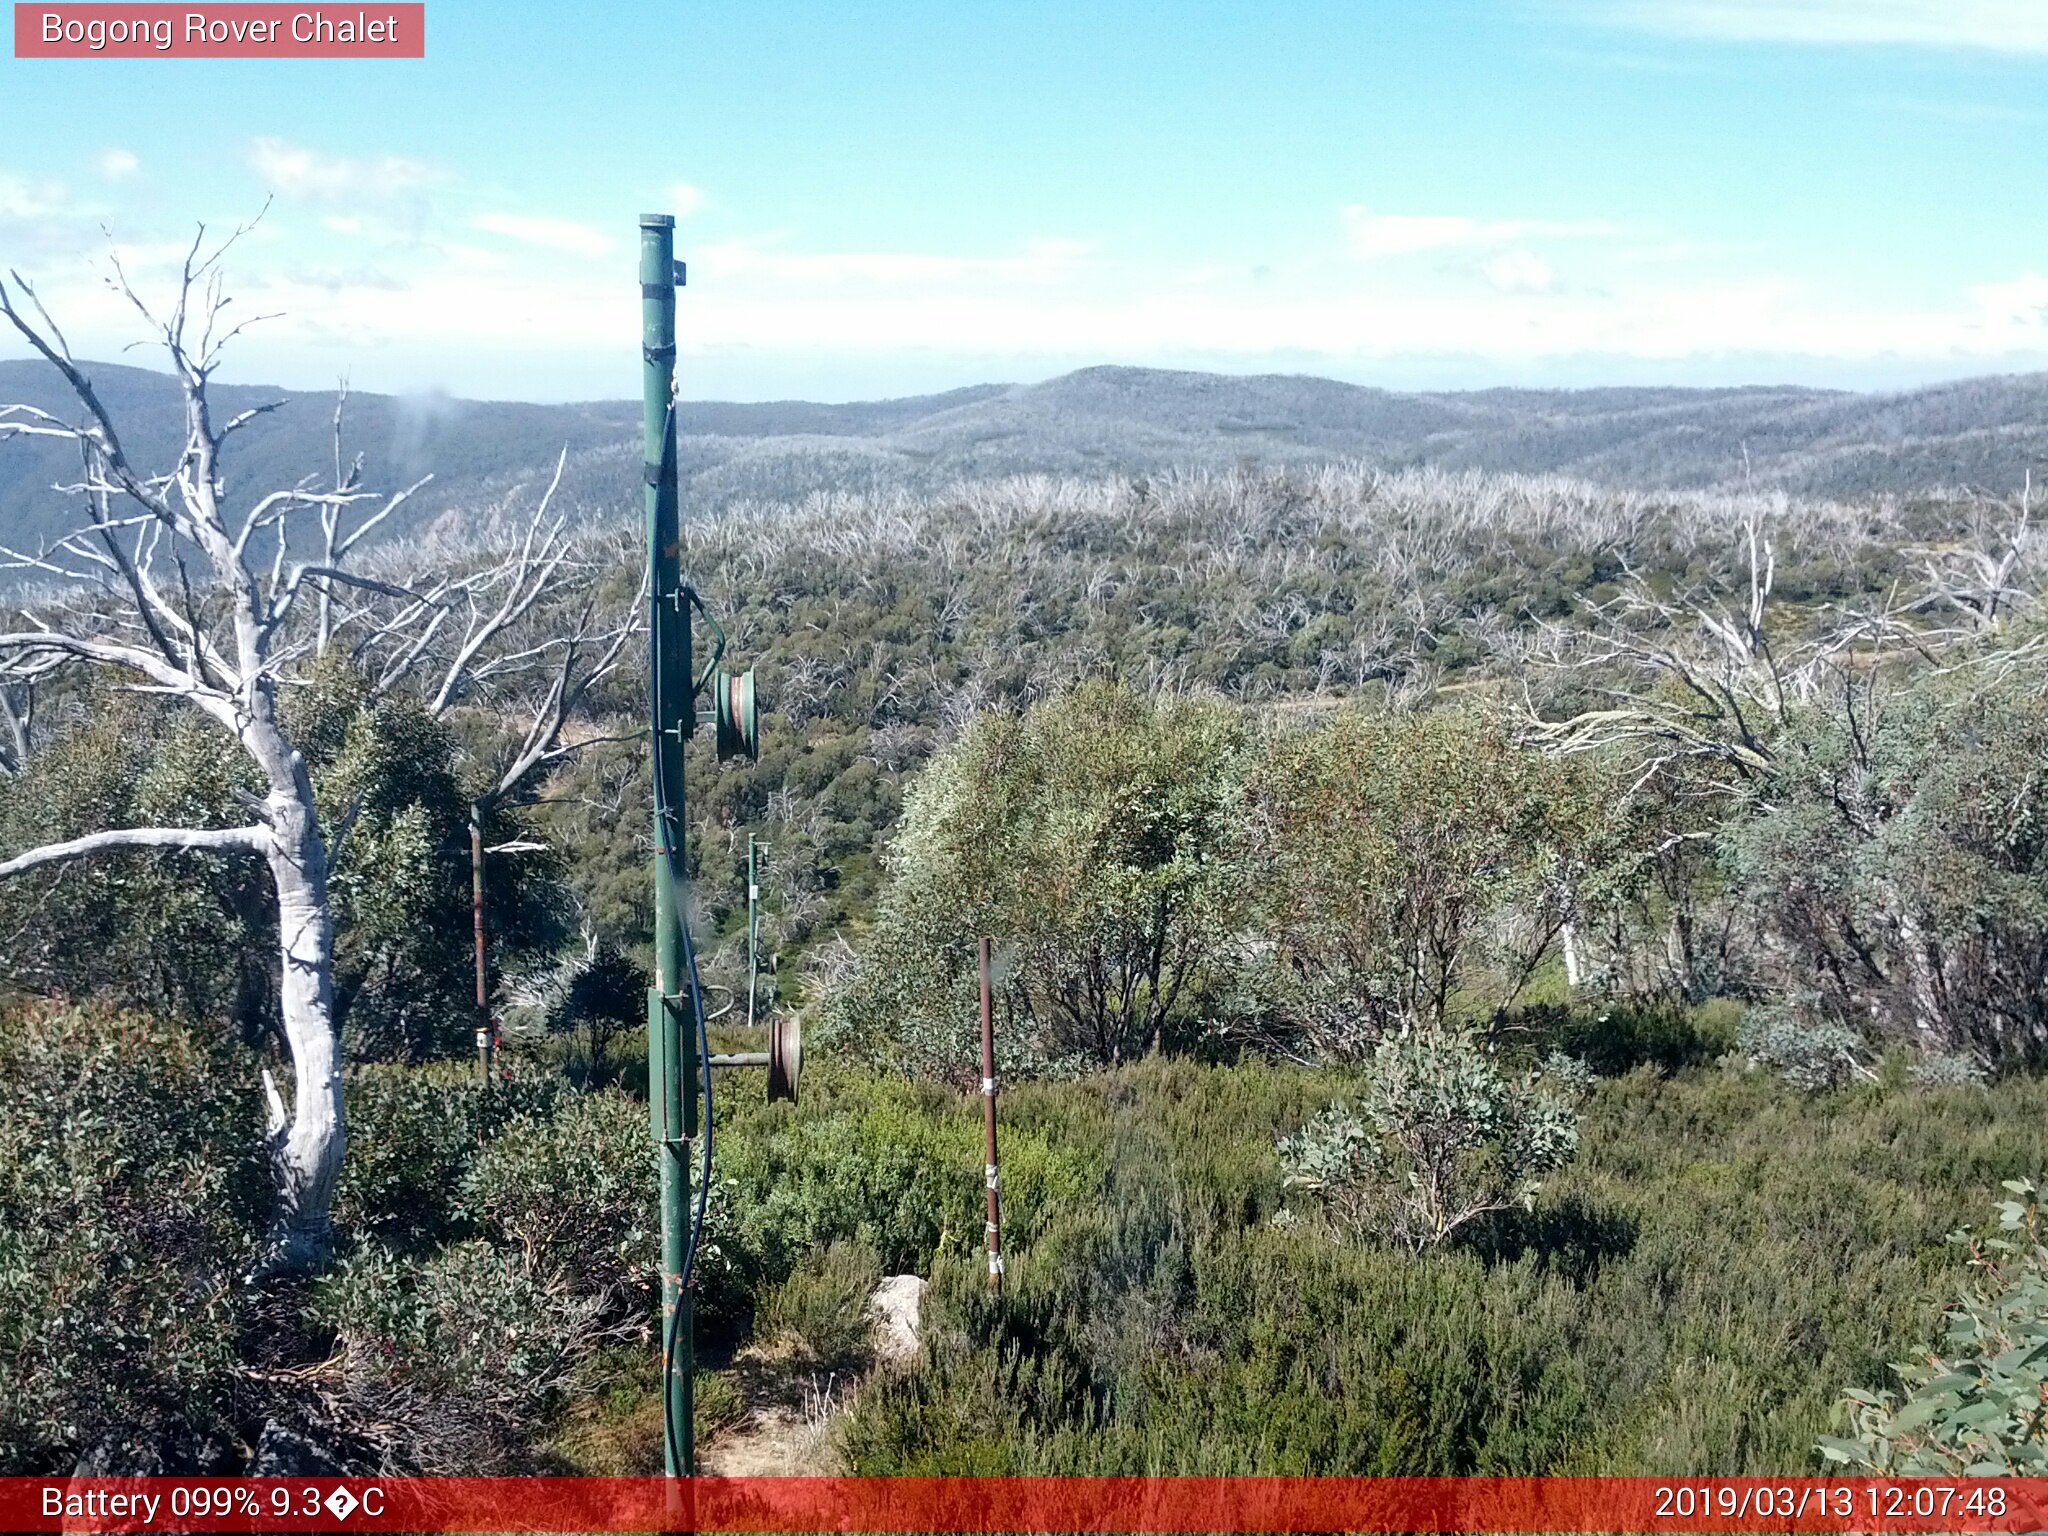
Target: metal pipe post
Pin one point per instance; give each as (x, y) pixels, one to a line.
(988, 1122)
(486, 1031)
(753, 930)
(671, 1048)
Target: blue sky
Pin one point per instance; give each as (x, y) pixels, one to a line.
(892, 198)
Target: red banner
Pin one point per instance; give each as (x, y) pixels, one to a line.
(927, 1504)
(117, 31)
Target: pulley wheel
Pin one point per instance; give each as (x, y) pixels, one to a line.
(736, 715)
(785, 1056)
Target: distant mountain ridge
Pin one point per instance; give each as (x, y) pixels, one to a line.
(1983, 432)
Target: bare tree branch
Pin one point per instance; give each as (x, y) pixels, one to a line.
(186, 839)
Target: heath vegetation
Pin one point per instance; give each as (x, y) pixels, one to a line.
(1492, 974)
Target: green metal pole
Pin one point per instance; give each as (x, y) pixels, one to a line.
(671, 1036)
(753, 928)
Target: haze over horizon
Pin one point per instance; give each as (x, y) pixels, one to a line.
(879, 202)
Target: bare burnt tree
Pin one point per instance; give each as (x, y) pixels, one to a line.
(191, 594)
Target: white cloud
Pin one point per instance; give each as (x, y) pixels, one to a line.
(296, 171)
(21, 199)
(548, 234)
(684, 199)
(508, 317)
(2007, 26)
(1520, 271)
(117, 164)
(1041, 261)
(1370, 235)
(2021, 302)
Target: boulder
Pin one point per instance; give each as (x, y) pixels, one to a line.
(895, 1308)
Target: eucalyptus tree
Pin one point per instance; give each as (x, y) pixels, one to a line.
(186, 590)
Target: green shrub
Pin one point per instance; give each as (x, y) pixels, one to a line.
(716, 1403)
(1412, 865)
(1941, 1069)
(190, 935)
(1812, 1055)
(1619, 1036)
(871, 1159)
(1097, 836)
(1976, 1407)
(412, 1134)
(575, 1192)
(594, 989)
(454, 1360)
(1441, 1136)
(131, 1185)
(1900, 862)
(820, 1312)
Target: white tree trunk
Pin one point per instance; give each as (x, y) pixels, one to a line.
(307, 1151)
(168, 643)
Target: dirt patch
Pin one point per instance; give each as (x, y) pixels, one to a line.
(787, 1431)
(791, 1405)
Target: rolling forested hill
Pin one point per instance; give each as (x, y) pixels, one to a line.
(1980, 433)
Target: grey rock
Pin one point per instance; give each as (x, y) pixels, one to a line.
(896, 1308)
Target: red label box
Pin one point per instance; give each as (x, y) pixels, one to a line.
(372, 30)
(1172, 1506)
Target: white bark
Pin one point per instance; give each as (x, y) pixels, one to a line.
(309, 1153)
(249, 839)
(221, 644)
(226, 666)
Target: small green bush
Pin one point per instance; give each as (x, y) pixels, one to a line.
(820, 1312)
(876, 1160)
(412, 1133)
(1441, 1137)
(716, 1403)
(456, 1358)
(1619, 1036)
(1943, 1069)
(575, 1191)
(1812, 1055)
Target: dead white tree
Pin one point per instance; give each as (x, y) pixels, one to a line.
(1983, 585)
(163, 585)
(17, 722)
(1697, 675)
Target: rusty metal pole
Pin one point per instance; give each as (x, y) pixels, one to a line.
(486, 1037)
(988, 1124)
